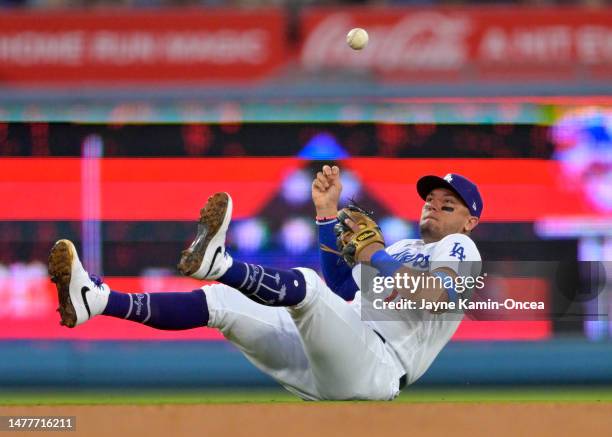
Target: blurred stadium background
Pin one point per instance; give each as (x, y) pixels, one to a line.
(119, 118)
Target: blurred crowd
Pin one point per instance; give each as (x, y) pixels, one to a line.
(294, 3)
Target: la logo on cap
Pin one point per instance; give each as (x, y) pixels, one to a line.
(474, 206)
(448, 178)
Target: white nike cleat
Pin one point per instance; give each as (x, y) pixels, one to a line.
(206, 258)
(80, 296)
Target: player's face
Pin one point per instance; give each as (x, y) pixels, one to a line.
(444, 213)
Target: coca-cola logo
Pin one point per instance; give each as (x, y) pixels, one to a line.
(418, 41)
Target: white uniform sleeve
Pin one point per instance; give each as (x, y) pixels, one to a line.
(458, 253)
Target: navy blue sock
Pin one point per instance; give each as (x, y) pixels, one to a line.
(168, 311)
(266, 285)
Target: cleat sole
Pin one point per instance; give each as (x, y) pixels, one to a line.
(211, 219)
(60, 270)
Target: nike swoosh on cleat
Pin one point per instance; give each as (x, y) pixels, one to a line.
(84, 291)
(212, 263)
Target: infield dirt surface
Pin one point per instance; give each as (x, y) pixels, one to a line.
(334, 419)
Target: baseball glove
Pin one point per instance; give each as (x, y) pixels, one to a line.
(349, 243)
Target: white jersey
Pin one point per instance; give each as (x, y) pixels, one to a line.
(417, 336)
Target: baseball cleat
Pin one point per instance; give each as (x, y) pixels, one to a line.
(206, 258)
(80, 296)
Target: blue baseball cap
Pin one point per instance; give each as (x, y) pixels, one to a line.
(462, 186)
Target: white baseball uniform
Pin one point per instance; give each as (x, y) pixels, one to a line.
(325, 348)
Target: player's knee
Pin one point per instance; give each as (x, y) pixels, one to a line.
(314, 285)
(312, 279)
(220, 299)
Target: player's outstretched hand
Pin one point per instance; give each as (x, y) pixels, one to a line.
(326, 189)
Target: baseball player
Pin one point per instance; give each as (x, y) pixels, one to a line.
(290, 323)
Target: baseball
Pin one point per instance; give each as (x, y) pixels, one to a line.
(357, 38)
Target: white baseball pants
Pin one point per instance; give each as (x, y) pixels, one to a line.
(319, 349)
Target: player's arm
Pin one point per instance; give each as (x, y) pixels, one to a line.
(336, 272)
(326, 189)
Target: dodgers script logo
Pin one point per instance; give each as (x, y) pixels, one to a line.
(416, 258)
(457, 251)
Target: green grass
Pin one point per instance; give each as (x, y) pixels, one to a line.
(147, 397)
(144, 397)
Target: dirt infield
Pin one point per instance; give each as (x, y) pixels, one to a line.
(338, 419)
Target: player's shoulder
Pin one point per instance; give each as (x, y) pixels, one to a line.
(457, 246)
(457, 238)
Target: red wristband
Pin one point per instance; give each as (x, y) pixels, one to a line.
(324, 219)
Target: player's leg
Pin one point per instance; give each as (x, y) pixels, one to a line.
(207, 258)
(267, 336)
(348, 359)
(82, 296)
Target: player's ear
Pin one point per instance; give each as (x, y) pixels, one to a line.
(471, 223)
